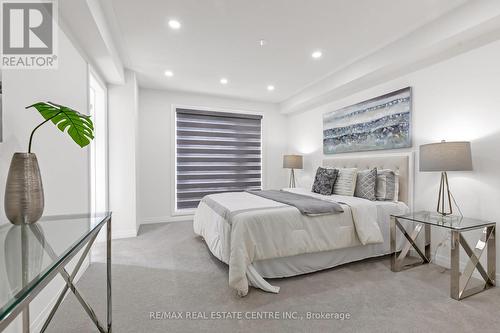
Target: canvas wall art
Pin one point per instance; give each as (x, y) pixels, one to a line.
(382, 122)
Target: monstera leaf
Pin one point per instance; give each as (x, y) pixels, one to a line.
(79, 126)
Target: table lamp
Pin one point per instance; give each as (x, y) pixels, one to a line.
(292, 162)
(443, 157)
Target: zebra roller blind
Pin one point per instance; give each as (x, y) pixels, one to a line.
(216, 152)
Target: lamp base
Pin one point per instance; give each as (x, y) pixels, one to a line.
(292, 179)
(444, 197)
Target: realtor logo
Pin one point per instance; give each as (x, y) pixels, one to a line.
(29, 34)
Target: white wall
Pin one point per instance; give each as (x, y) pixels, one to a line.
(64, 165)
(456, 99)
(122, 120)
(155, 179)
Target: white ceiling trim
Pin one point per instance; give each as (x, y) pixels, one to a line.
(86, 25)
(115, 32)
(467, 27)
(116, 73)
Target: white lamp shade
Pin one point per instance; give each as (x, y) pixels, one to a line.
(292, 161)
(446, 156)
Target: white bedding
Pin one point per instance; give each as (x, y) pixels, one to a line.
(241, 229)
(312, 262)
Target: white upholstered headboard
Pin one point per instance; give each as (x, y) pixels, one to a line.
(403, 163)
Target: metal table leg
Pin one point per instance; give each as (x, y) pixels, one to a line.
(26, 319)
(108, 273)
(397, 259)
(455, 265)
(491, 255)
(69, 279)
(460, 282)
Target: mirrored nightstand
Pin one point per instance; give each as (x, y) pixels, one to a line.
(460, 282)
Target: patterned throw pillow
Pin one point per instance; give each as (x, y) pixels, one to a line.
(346, 182)
(366, 183)
(324, 180)
(387, 185)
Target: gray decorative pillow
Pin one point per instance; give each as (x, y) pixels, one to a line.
(324, 180)
(366, 183)
(387, 185)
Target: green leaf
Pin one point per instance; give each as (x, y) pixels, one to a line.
(79, 126)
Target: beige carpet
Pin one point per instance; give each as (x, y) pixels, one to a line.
(168, 269)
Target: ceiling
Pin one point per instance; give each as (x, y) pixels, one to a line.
(220, 38)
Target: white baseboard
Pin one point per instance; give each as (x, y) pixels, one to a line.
(38, 322)
(128, 233)
(116, 234)
(167, 219)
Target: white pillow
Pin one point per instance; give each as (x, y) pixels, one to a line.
(346, 182)
(396, 189)
(381, 187)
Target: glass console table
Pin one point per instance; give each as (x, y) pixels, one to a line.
(460, 283)
(32, 255)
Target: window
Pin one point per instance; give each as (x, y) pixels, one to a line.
(99, 146)
(216, 152)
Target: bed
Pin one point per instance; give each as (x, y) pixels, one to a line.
(260, 238)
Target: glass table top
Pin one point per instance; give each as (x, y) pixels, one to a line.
(450, 221)
(24, 259)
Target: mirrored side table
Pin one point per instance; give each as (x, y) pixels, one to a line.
(461, 283)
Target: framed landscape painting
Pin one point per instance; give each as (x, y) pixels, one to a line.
(382, 122)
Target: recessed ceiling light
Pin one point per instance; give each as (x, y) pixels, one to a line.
(316, 54)
(169, 73)
(270, 87)
(174, 24)
(262, 42)
(224, 80)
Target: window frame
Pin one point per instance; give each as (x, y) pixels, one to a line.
(173, 150)
(94, 75)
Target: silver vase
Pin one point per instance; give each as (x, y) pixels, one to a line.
(24, 200)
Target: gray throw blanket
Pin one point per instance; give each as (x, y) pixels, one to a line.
(305, 204)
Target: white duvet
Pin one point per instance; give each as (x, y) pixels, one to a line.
(265, 229)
